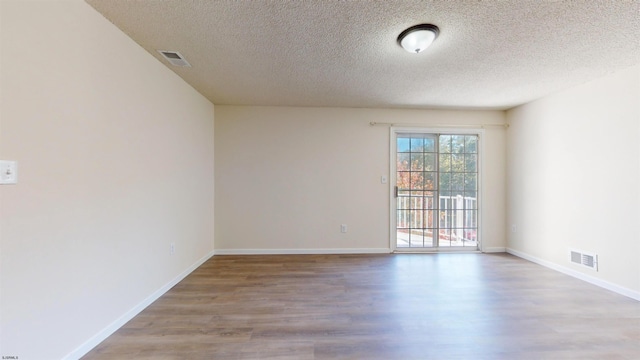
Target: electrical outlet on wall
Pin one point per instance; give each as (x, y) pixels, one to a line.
(514, 228)
(343, 228)
(172, 248)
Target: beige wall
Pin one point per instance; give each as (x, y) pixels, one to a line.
(115, 160)
(574, 175)
(286, 178)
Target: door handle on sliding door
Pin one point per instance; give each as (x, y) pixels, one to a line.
(395, 191)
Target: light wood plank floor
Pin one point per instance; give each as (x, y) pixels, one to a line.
(403, 306)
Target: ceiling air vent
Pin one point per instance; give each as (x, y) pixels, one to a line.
(174, 58)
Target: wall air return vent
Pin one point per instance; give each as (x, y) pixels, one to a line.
(585, 259)
(174, 58)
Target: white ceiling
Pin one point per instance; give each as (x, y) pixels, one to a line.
(489, 54)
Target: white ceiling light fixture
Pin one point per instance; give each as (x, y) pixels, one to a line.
(417, 38)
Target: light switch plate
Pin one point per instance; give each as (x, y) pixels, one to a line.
(8, 172)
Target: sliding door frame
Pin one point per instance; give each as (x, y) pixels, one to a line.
(393, 132)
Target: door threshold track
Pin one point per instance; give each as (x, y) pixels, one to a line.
(437, 252)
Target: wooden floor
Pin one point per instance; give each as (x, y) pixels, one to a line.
(409, 306)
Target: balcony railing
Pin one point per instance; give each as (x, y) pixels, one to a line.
(457, 220)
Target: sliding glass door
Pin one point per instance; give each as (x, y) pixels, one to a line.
(435, 198)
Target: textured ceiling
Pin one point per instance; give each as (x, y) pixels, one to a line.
(489, 54)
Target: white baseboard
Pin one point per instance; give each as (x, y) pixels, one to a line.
(576, 274)
(301, 251)
(111, 328)
(494, 249)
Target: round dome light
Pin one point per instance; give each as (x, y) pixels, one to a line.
(417, 38)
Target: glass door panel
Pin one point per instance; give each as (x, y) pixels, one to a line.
(436, 190)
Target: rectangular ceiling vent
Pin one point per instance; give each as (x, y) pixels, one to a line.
(585, 259)
(174, 58)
